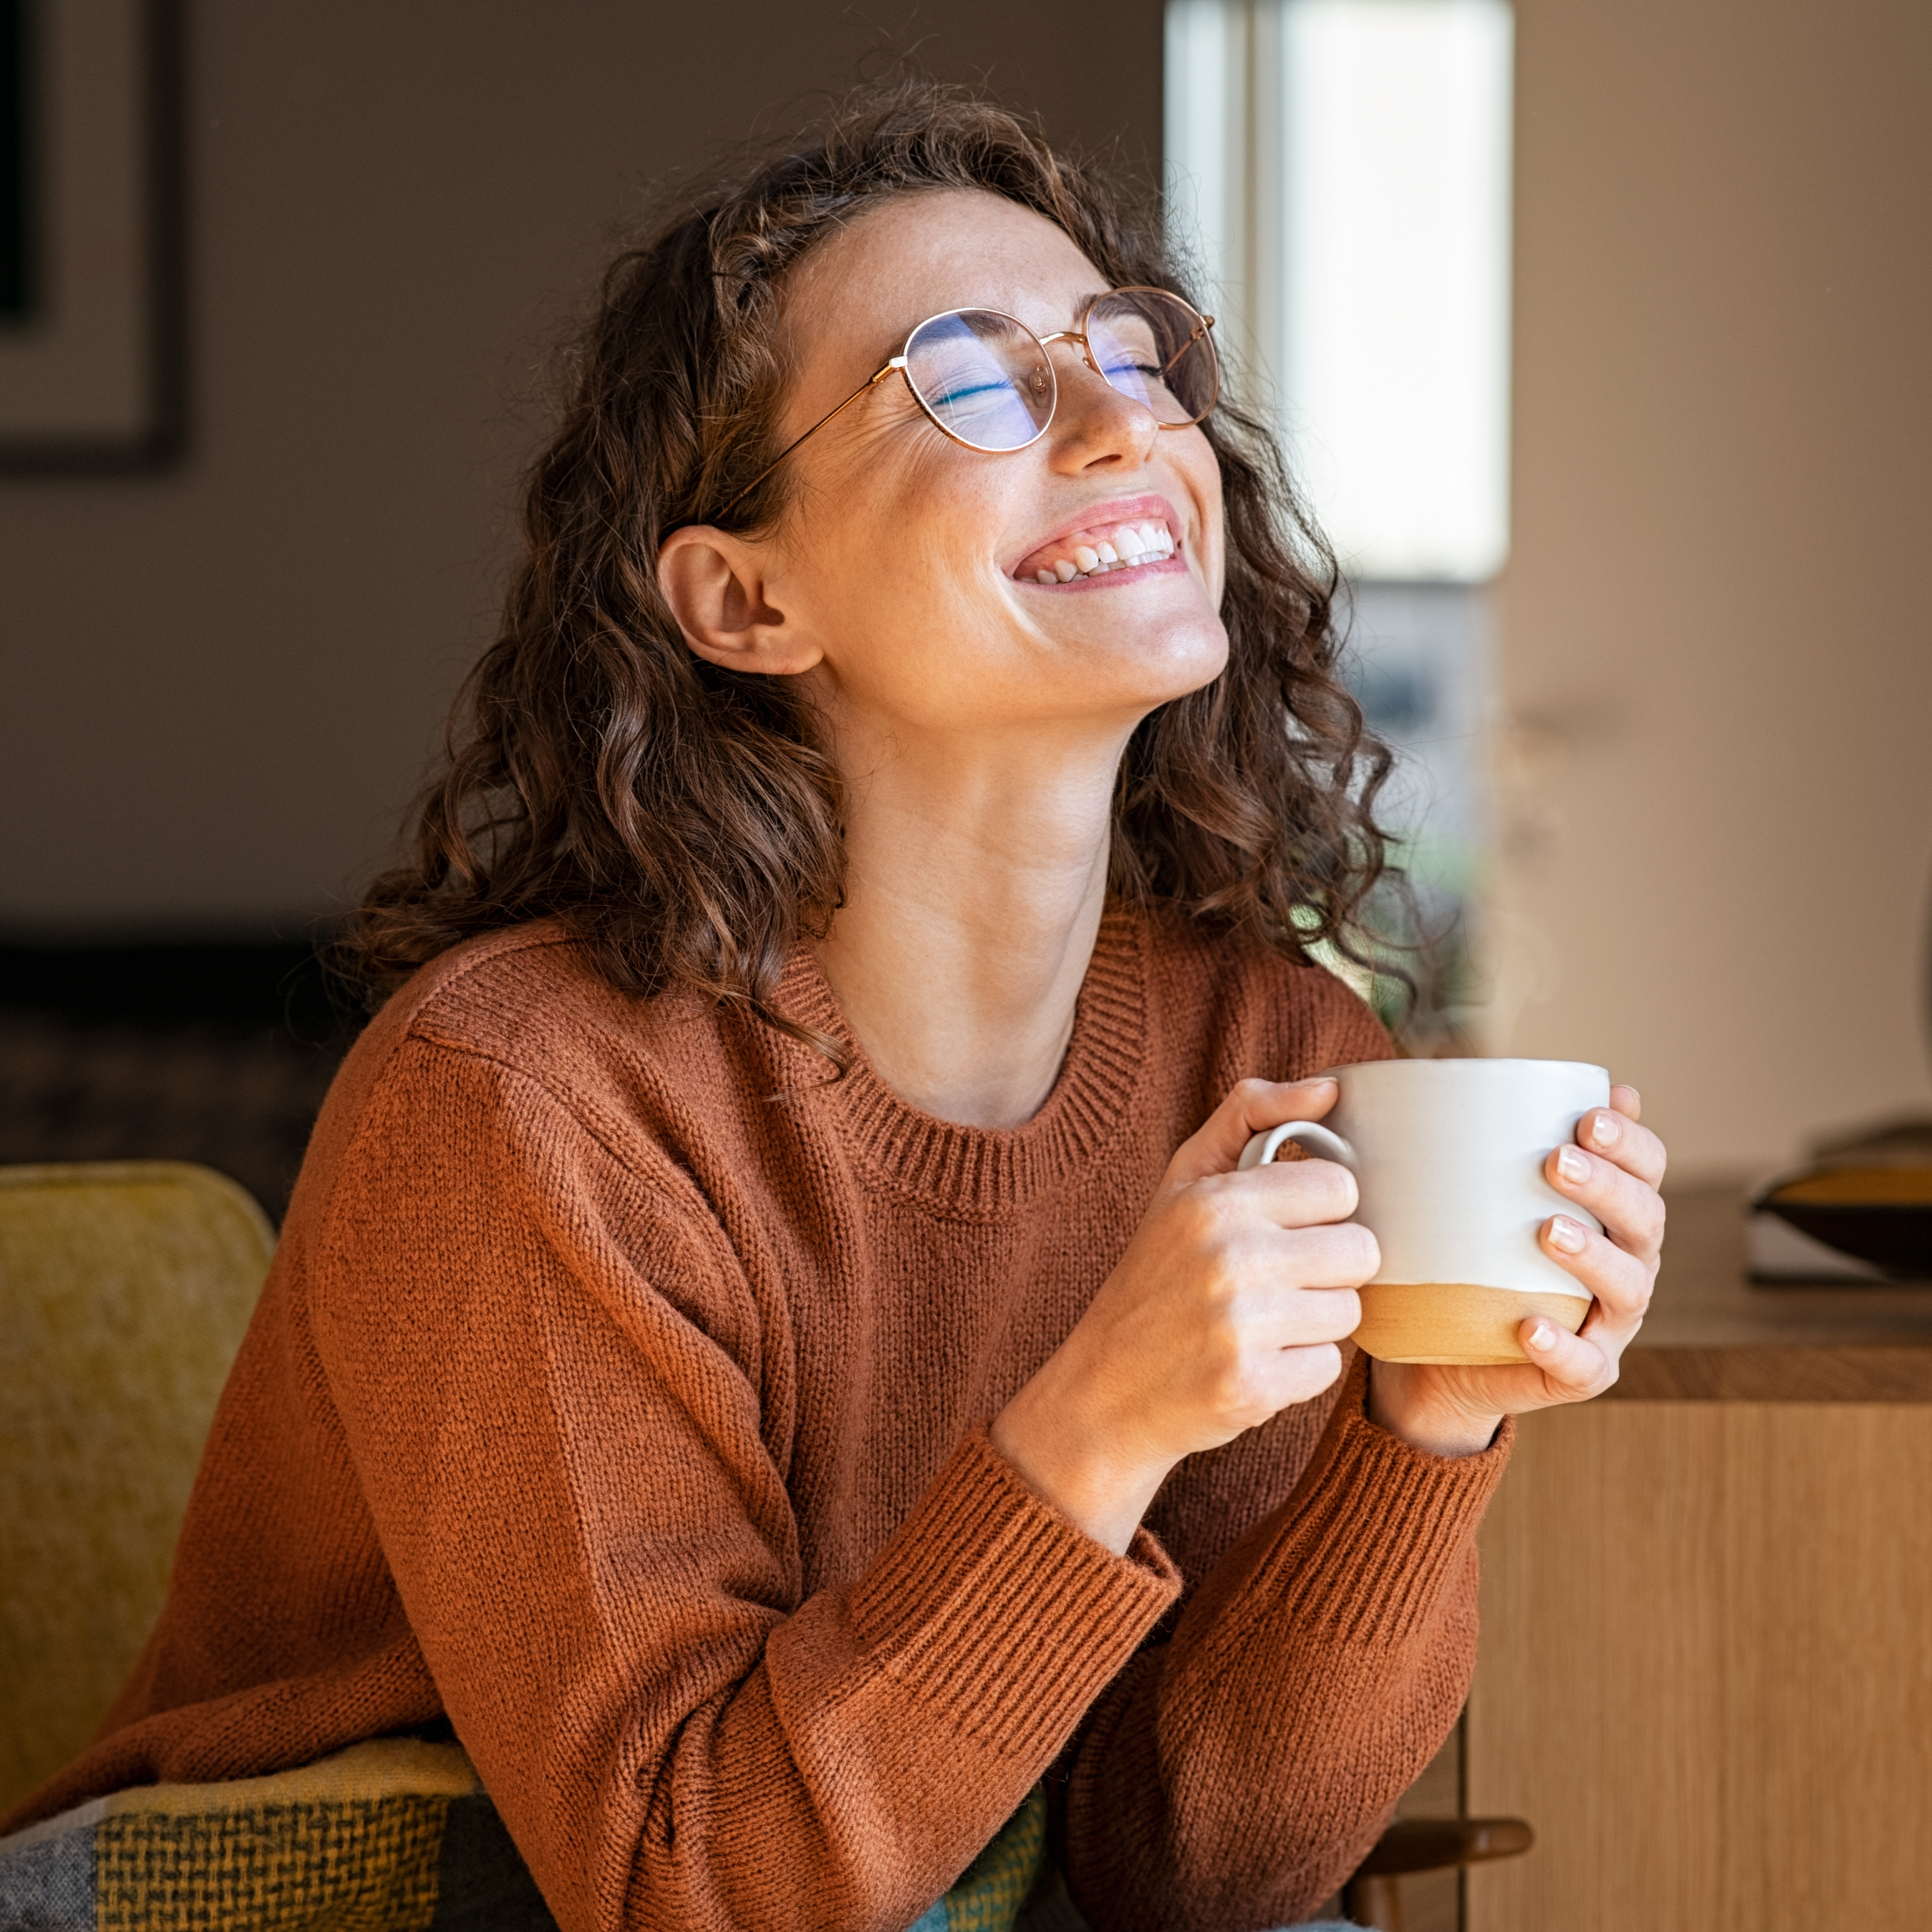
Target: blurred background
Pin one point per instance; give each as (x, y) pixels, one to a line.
(1598, 335)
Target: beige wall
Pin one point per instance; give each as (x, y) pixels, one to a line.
(218, 685)
(1716, 623)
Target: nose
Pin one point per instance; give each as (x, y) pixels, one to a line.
(1095, 425)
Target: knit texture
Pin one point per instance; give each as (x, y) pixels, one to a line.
(620, 1391)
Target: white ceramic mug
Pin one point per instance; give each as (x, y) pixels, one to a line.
(1448, 1157)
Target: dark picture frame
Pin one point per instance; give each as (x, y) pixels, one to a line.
(92, 363)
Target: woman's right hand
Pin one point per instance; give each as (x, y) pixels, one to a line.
(1229, 1304)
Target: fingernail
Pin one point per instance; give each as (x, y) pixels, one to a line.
(1604, 1129)
(1317, 1080)
(1571, 1165)
(1566, 1234)
(1542, 1336)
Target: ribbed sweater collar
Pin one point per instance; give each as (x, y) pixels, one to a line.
(984, 1171)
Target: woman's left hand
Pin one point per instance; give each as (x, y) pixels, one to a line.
(1613, 1170)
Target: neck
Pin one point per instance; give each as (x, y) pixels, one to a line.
(976, 876)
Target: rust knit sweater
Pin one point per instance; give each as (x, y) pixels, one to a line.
(619, 1390)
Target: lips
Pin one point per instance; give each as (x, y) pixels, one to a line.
(1119, 536)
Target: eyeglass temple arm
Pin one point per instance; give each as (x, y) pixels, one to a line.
(1207, 323)
(872, 381)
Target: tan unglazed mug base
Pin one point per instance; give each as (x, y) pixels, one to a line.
(1455, 1320)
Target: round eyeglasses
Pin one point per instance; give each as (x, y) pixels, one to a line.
(986, 379)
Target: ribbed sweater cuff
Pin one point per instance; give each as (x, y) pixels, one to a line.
(1375, 1539)
(1004, 1611)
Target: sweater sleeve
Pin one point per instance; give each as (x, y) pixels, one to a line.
(562, 1448)
(1233, 1777)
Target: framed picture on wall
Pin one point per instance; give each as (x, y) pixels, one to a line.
(91, 361)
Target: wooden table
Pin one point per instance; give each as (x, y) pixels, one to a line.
(1706, 1665)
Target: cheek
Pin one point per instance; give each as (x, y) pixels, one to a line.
(900, 598)
(918, 558)
(901, 508)
(1204, 475)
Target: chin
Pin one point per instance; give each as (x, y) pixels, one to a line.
(1179, 658)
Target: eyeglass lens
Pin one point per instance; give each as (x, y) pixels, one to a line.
(1156, 350)
(986, 378)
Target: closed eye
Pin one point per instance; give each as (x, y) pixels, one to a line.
(953, 395)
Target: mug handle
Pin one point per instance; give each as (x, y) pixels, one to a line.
(1317, 1138)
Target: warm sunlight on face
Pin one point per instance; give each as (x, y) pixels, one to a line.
(906, 582)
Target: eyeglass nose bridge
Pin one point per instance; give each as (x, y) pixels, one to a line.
(1087, 355)
(1079, 335)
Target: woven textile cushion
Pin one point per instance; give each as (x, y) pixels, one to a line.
(394, 1835)
(124, 1289)
(384, 1837)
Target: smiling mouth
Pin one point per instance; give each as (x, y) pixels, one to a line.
(1095, 552)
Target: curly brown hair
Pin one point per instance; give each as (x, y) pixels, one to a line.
(684, 820)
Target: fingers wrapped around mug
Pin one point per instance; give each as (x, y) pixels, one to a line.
(1620, 1280)
(1573, 1368)
(1611, 1141)
(1616, 1184)
(1618, 1188)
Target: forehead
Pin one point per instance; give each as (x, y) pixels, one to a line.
(858, 293)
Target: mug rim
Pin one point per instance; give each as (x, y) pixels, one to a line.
(1456, 1060)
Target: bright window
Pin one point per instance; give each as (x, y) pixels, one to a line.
(1340, 169)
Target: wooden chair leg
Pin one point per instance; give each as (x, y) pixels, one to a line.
(1373, 1897)
(1376, 1900)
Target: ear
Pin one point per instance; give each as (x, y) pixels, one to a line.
(718, 588)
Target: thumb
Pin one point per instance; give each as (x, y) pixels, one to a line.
(1251, 1107)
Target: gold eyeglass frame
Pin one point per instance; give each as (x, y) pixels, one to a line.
(1079, 335)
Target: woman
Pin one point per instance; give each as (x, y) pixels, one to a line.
(768, 1341)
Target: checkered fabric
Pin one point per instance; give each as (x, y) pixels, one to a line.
(396, 1835)
(363, 1867)
(384, 1837)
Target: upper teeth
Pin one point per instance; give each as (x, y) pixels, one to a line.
(1094, 552)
